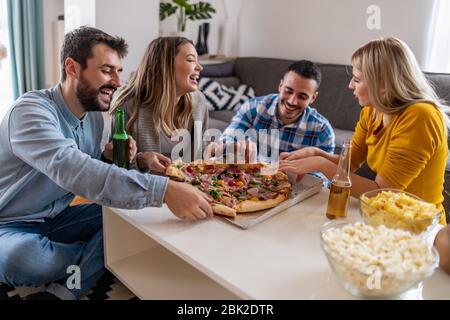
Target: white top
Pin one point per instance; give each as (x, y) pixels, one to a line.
(166, 144)
(280, 258)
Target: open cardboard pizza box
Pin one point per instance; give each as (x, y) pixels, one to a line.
(307, 187)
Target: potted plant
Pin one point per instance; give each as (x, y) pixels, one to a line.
(185, 11)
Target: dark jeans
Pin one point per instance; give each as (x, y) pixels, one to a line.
(37, 253)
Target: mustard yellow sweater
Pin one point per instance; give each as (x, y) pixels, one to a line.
(410, 153)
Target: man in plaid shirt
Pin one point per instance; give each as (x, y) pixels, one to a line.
(289, 112)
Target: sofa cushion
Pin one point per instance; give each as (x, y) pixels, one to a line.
(225, 69)
(217, 124)
(222, 97)
(262, 74)
(223, 115)
(441, 83)
(220, 119)
(341, 136)
(335, 101)
(233, 82)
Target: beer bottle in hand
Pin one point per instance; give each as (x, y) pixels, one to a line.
(340, 185)
(120, 141)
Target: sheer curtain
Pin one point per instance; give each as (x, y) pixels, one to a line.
(438, 59)
(26, 38)
(6, 88)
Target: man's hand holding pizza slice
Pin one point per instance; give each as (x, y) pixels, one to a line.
(194, 204)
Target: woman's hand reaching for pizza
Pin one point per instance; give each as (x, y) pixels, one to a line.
(108, 152)
(187, 202)
(300, 167)
(154, 161)
(301, 153)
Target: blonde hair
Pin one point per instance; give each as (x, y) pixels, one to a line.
(152, 86)
(393, 77)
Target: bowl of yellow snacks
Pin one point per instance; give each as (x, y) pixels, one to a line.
(398, 209)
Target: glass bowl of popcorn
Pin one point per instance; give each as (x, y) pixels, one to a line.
(376, 262)
(398, 209)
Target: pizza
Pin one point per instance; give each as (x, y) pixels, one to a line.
(233, 188)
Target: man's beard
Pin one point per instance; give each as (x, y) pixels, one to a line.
(89, 96)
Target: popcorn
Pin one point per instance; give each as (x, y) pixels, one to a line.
(398, 210)
(378, 261)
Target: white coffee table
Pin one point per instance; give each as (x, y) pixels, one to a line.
(158, 256)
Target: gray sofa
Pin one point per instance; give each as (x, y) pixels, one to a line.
(335, 100)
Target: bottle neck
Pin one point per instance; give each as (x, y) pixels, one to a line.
(342, 175)
(119, 127)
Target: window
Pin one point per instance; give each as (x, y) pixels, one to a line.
(6, 92)
(439, 49)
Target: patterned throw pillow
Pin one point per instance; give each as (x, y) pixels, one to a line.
(221, 97)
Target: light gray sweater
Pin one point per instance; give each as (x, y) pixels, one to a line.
(147, 136)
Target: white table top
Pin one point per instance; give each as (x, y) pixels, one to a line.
(280, 258)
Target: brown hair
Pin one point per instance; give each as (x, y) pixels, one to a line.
(78, 45)
(393, 76)
(153, 86)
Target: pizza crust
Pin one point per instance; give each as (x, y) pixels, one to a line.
(174, 172)
(223, 210)
(252, 206)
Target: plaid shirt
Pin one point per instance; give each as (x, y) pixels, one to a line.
(311, 129)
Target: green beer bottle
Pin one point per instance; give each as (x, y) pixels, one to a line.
(120, 141)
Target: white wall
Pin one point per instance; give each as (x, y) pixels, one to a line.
(137, 21)
(218, 37)
(320, 30)
(52, 9)
(328, 30)
(79, 13)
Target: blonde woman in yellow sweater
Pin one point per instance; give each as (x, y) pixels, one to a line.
(402, 130)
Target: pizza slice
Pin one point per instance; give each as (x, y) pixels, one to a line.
(234, 188)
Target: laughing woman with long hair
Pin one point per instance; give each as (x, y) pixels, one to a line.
(402, 130)
(161, 97)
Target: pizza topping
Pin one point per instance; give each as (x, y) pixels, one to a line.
(268, 195)
(253, 192)
(242, 196)
(282, 185)
(253, 184)
(214, 194)
(229, 201)
(246, 178)
(281, 176)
